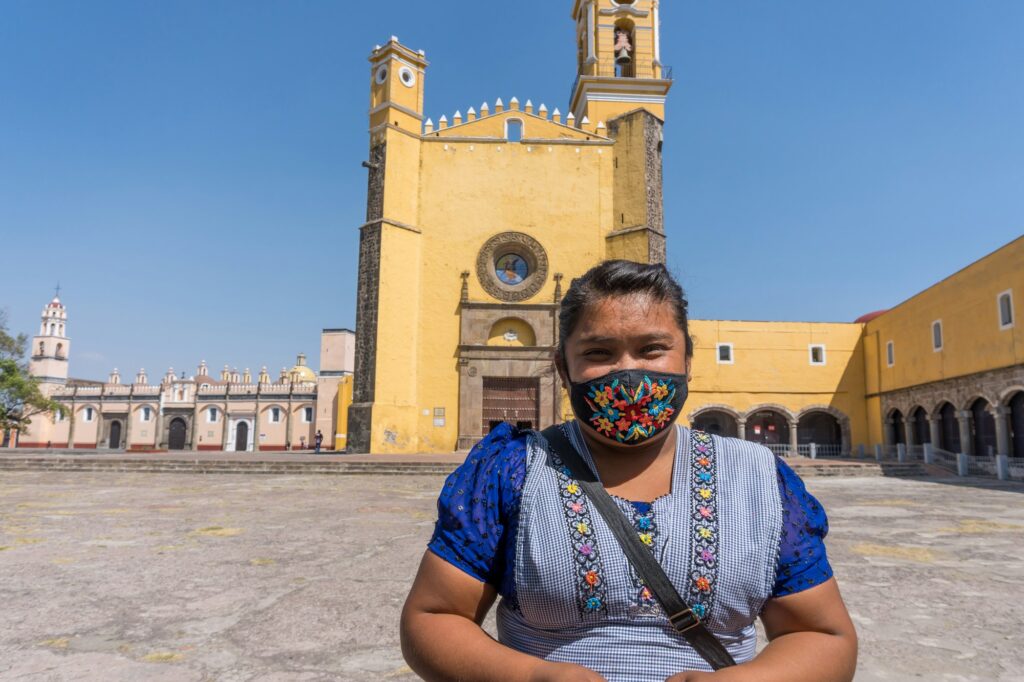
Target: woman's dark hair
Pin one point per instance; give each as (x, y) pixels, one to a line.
(622, 278)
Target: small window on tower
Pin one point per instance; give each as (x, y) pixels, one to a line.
(725, 354)
(147, 414)
(307, 415)
(275, 415)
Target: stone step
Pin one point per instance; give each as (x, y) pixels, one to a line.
(383, 468)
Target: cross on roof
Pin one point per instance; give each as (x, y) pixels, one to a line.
(58, 290)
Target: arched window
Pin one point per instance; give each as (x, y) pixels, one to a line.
(514, 130)
(60, 350)
(42, 348)
(53, 329)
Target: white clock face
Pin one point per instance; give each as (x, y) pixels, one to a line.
(407, 76)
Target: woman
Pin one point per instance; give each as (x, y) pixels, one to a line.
(730, 524)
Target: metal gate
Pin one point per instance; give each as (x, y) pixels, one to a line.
(515, 400)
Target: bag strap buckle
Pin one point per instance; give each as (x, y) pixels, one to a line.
(685, 620)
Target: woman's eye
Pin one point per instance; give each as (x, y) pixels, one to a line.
(656, 348)
(595, 352)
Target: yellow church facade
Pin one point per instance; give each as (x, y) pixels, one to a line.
(477, 223)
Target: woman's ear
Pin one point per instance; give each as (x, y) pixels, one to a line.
(689, 368)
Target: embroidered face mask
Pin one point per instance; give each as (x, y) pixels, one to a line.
(630, 406)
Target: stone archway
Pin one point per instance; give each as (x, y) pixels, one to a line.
(114, 438)
(768, 426)
(983, 428)
(177, 434)
(1015, 405)
(717, 422)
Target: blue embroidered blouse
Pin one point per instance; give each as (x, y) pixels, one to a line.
(478, 515)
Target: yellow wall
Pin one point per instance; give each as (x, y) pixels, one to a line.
(966, 302)
(771, 365)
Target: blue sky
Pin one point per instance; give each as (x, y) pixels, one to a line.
(190, 170)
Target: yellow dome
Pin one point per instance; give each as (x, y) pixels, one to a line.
(300, 373)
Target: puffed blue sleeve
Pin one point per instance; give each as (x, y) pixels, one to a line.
(803, 562)
(478, 510)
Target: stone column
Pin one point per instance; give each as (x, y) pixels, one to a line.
(1001, 414)
(887, 432)
(71, 426)
(793, 439)
(908, 431)
(193, 441)
(935, 430)
(128, 424)
(225, 424)
(288, 423)
(963, 418)
(741, 429)
(159, 440)
(256, 425)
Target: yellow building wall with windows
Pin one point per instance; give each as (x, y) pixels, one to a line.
(973, 339)
(771, 366)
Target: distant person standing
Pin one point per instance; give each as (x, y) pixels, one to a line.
(319, 440)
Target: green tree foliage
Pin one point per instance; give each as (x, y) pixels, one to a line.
(20, 398)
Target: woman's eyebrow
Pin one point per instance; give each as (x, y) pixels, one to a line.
(645, 338)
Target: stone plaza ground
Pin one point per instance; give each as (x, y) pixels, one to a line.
(109, 576)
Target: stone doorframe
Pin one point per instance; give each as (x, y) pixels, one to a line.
(232, 426)
(103, 435)
(170, 414)
(477, 360)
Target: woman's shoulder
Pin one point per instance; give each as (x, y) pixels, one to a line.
(504, 441)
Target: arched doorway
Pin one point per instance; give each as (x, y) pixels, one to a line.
(114, 442)
(820, 428)
(242, 437)
(949, 430)
(717, 422)
(983, 425)
(922, 434)
(177, 434)
(1016, 406)
(896, 433)
(768, 427)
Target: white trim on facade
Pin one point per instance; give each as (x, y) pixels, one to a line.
(810, 354)
(936, 348)
(718, 354)
(999, 309)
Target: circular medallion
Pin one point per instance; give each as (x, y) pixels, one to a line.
(382, 74)
(407, 76)
(512, 266)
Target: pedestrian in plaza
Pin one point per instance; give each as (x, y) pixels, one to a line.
(318, 440)
(624, 546)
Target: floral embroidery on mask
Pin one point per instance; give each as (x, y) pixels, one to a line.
(632, 415)
(700, 591)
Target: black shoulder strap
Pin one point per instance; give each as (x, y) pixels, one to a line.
(682, 617)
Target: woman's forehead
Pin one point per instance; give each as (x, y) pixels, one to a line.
(630, 315)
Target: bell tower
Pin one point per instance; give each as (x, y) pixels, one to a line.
(619, 59)
(49, 357)
(384, 390)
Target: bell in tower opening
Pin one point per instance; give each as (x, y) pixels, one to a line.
(623, 51)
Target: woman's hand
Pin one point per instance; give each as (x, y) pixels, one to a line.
(564, 672)
(693, 677)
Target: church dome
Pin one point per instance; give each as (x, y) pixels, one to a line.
(301, 373)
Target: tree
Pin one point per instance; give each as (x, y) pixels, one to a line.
(20, 397)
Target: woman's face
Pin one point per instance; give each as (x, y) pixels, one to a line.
(625, 332)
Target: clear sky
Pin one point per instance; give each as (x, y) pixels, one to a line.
(190, 170)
